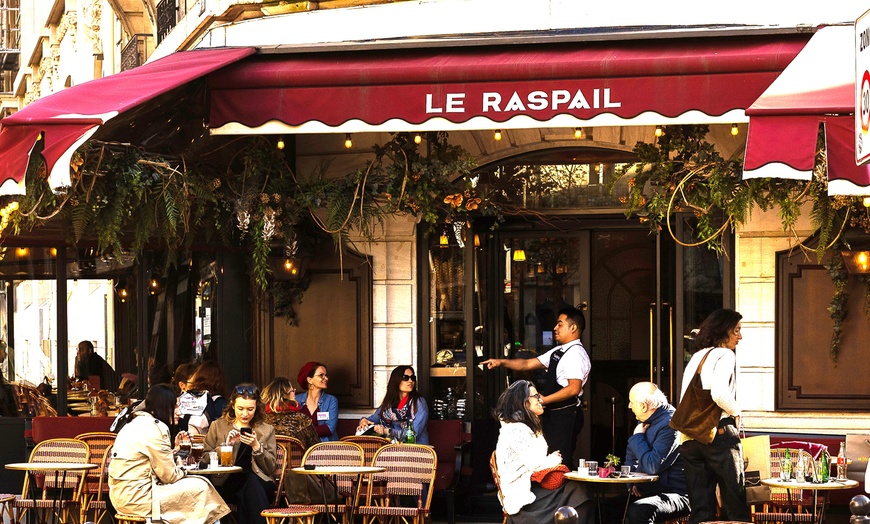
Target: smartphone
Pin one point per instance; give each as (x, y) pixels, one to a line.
(246, 430)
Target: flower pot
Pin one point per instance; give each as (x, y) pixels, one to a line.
(605, 471)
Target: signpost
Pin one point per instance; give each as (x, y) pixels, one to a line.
(862, 89)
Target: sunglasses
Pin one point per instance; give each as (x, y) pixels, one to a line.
(406, 378)
(247, 390)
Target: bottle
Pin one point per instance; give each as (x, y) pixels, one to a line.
(824, 467)
(410, 437)
(841, 462)
(785, 466)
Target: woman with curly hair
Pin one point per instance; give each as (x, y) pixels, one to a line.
(521, 451)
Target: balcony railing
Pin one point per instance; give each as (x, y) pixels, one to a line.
(167, 16)
(133, 54)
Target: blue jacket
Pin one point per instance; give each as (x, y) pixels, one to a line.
(328, 404)
(421, 419)
(657, 451)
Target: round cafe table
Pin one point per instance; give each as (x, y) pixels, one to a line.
(598, 492)
(48, 467)
(334, 471)
(220, 470)
(789, 485)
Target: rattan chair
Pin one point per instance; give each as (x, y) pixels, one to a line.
(334, 453)
(410, 473)
(782, 508)
(493, 467)
(295, 450)
(97, 506)
(98, 442)
(44, 485)
(370, 444)
(280, 471)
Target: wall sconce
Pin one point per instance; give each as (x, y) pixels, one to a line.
(418, 139)
(153, 286)
(22, 252)
(659, 131)
(857, 257)
(123, 294)
(291, 267)
(734, 130)
(443, 240)
(497, 135)
(280, 144)
(519, 255)
(578, 132)
(53, 251)
(348, 143)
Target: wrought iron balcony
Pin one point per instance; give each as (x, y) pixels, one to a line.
(167, 17)
(133, 54)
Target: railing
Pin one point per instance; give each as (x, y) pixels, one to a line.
(133, 54)
(10, 34)
(167, 16)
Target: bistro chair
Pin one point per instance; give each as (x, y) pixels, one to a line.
(280, 471)
(295, 450)
(370, 444)
(332, 453)
(409, 472)
(98, 442)
(48, 487)
(98, 506)
(781, 508)
(493, 467)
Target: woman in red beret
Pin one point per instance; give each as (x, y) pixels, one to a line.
(320, 406)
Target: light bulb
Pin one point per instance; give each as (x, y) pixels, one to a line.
(578, 132)
(659, 131)
(280, 144)
(734, 130)
(348, 143)
(497, 135)
(418, 138)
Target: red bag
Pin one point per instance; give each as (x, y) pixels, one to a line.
(551, 478)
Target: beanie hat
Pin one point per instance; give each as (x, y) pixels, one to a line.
(302, 377)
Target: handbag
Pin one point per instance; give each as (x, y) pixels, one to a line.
(697, 415)
(551, 478)
(756, 457)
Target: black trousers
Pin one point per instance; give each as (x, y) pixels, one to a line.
(561, 427)
(250, 493)
(718, 463)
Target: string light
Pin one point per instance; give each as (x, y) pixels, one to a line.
(280, 144)
(348, 143)
(734, 130)
(578, 132)
(497, 135)
(866, 201)
(659, 131)
(418, 138)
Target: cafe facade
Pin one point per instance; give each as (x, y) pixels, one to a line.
(550, 107)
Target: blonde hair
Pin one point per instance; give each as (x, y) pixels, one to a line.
(278, 393)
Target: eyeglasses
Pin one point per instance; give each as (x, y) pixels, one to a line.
(322, 375)
(406, 378)
(536, 396)
(247, 390)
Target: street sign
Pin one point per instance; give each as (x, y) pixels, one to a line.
(862, 89)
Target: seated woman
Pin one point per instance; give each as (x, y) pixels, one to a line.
(205, 389)
(401, 408)
(320, 406)
(144, 479)
(284, 414)
(254, 447)
(520, 451)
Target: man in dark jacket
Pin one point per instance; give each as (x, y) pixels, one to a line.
(654, 449)
(89, 364)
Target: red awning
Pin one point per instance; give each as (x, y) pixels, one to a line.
(604, 83)
(65, 120)
(818, 87)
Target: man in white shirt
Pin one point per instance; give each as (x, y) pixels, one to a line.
(568, 367)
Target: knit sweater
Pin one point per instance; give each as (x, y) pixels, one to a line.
(520, 452)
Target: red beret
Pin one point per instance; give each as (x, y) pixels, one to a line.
(302, 377)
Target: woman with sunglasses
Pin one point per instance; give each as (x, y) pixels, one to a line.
(521, 450)
(402, 407)
(254, 449)
(321, 407)
(143, 469)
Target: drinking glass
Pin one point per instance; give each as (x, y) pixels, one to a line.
(625, 471)
(184, 448)
(226, 455)
(593, 467)
(196, 450)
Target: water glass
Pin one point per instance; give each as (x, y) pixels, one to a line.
(581, 464)
(625, 471)
(593, 467)
(213, 459)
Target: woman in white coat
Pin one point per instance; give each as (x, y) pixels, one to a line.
(144, 479)
(521, 450)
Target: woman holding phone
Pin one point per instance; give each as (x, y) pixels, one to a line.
(254, 450)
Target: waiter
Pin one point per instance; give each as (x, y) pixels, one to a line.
(567, 368)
